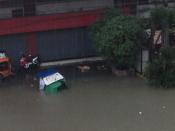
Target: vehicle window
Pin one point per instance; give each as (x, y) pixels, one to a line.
(2, 55)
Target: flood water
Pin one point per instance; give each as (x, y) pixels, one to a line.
(95, 101)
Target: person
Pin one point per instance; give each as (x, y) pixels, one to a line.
(23, 61)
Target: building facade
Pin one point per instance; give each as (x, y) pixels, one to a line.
(57, 29)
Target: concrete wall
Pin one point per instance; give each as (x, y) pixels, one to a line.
(144, 10)
(5, 13)
(60, 7)
(50, 45)
(14, 45)
(143, 59)
(73, 6)
(64, 44)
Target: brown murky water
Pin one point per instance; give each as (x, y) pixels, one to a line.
(96, 101)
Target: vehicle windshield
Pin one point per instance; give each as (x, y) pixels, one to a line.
(3, 66)
(2, 55)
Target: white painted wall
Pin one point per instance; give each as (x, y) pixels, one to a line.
(145, 59)
(61, 7)
(142, 62)
(145, 10)
(5, 13)
(73, 6)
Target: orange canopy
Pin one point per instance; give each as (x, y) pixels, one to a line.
(4, 60)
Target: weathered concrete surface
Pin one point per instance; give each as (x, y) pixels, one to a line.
(95, 102)
(72, 6)
(71, 62)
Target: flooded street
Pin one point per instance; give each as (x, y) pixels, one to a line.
(95, 101)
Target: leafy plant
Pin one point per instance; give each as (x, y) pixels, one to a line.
(162, 17)
(118, 38)
(161, 72)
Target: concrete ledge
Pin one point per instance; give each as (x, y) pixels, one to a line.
(71, 61)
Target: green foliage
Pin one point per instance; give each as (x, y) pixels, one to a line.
(118, 39)
(162, 17)
(161, 72)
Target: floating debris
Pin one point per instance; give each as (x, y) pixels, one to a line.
(102, 67)
(84, 68)
(163, 107)
(140, 113)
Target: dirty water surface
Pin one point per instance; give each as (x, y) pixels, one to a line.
(95, 101)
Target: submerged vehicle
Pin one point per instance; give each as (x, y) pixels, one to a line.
(5, 66)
